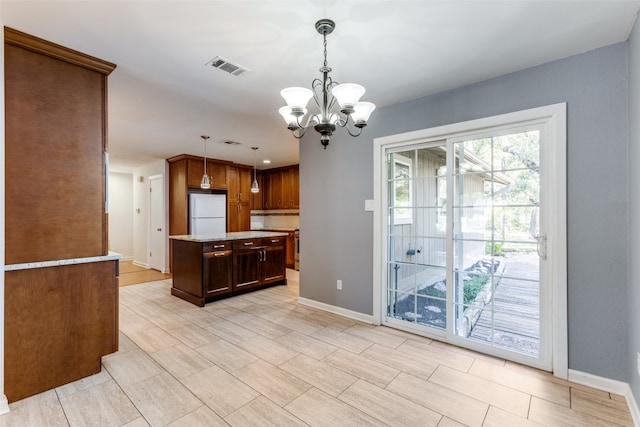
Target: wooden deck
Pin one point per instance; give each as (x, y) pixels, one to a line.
(512, 319)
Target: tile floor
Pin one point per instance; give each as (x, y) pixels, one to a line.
(263, 360)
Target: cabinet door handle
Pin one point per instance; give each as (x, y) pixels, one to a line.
(264, 256)
(275, 241)
(248, 243)
(218, 246)
(218, 254)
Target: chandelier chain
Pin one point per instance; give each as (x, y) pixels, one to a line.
(325, 49)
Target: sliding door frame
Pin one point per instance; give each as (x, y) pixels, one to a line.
(554, 117)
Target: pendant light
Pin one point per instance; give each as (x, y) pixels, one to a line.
(205, 184)
(254, 185)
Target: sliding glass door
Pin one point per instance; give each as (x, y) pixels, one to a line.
(465, 241)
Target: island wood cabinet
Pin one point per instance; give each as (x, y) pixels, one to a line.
(206, 271)
(273, 260)
(217, 269)
(258, 262)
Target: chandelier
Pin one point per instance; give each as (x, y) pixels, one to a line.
(326, 93)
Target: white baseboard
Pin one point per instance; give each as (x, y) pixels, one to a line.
(601, 383)
(140, 264)
(633, 407)
(361, 317)
(4, 405)
(611, 386)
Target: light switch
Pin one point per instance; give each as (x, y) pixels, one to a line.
(369, 205)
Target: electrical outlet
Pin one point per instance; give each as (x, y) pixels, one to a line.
(639, 363)
(339, 284)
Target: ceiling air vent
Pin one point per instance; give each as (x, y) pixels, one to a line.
(225, 65)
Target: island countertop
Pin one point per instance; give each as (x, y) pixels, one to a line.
(238, 235)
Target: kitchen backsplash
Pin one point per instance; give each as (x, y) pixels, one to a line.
(286, 218)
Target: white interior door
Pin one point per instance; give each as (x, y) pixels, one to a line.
(469, 219)
(157, 233)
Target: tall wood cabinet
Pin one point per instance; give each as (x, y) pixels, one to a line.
(61, 287)
(239, 199)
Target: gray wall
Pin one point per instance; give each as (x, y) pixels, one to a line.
(337, 232)
(634, 208)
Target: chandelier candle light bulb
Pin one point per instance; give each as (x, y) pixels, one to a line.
(326, 93)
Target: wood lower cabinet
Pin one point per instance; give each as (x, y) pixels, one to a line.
(217, 267)
(59, 322)
(247, 263)
(273, 259)
(290, 256)
(206, 271)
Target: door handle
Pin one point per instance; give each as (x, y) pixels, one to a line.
(541, 246)
(159, 229)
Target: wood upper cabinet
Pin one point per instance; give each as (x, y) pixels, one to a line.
(273, 193)
(291, 188)
(55, 133)
(217, 172)
(282, 188)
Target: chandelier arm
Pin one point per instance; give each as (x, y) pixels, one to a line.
(351, 133)
(300, 134)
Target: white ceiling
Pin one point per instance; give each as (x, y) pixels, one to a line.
(162, 97)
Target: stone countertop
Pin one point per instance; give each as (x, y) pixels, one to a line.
(112, 256)
(238, 235)
(275, 229)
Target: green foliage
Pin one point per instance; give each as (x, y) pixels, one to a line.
(495, 249)
(473, 287)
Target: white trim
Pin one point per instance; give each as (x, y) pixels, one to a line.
(597, 382)
(633, 406)
(141, 264)
(555, 116)
(163, 215)
(361, 317)
(610, 386)
(4, 405)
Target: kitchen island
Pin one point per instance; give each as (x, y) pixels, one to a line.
(208, 268)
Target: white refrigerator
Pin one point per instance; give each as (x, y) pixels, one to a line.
(207, 214)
